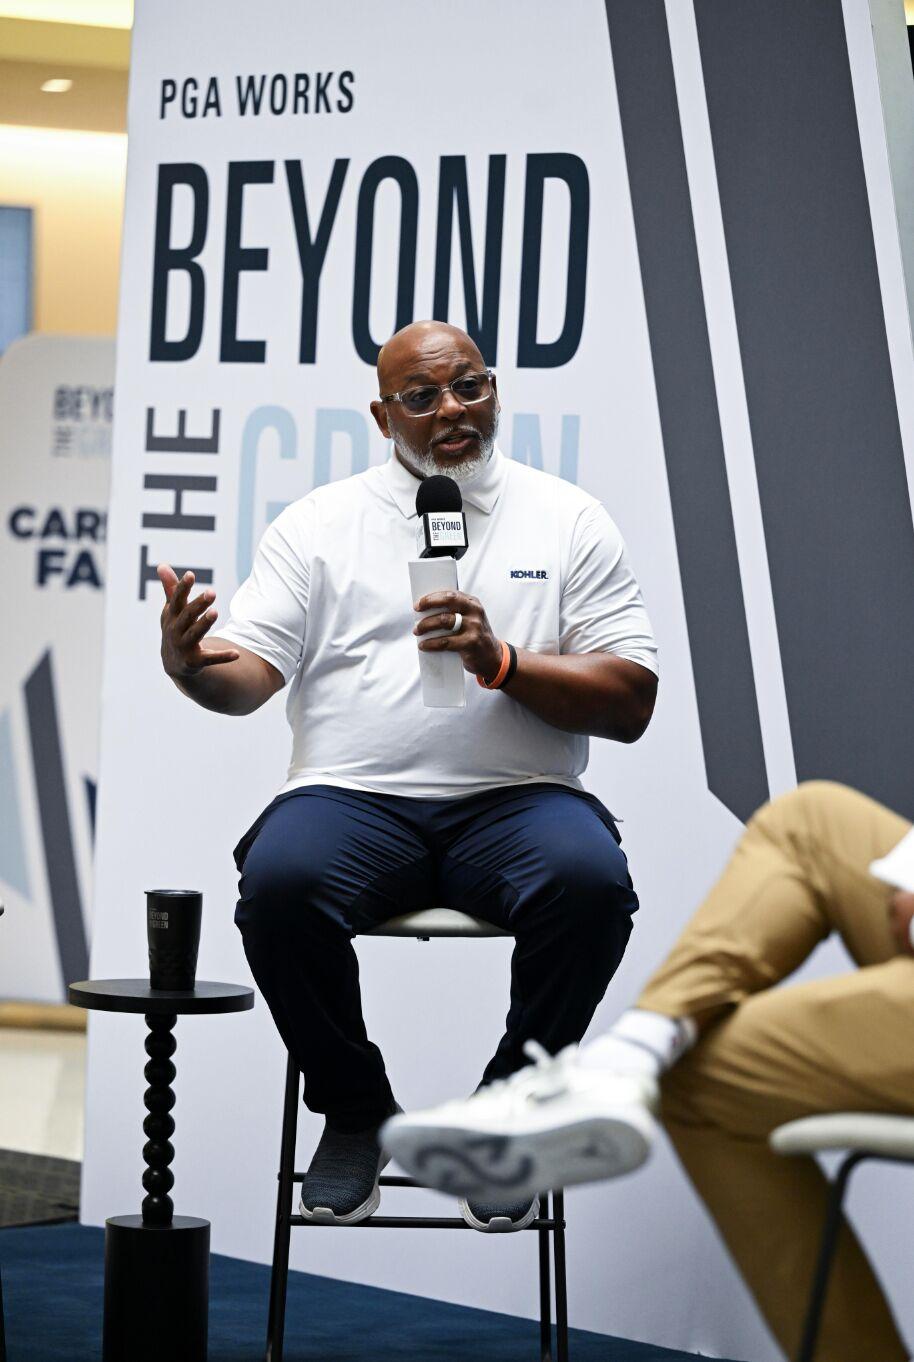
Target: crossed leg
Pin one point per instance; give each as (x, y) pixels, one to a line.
(769, 1055)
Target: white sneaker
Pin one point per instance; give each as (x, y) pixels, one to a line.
(499, 1219)
(553, 1124)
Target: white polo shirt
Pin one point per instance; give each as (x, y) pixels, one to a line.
(328, 602)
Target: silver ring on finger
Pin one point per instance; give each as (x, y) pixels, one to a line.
(458, 623)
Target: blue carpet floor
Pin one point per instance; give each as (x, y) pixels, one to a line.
(52, 1294)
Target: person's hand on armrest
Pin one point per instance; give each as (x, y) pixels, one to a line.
(218, 675)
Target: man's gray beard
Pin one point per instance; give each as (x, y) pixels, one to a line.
(426, 465)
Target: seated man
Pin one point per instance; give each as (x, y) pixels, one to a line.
(735, 1058)
(390, 807)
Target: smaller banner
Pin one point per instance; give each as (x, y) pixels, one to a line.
(55, 445)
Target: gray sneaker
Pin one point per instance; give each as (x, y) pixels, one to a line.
(499, 1219)
(341, 1184)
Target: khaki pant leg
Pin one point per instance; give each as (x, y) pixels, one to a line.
(799, 871)
(832, 1045)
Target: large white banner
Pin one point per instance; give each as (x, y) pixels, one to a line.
(301, 182)
(55, 447)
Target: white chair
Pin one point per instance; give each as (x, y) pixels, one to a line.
(861, 1135)
(437, 923)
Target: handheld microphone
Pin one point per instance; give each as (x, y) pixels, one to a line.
(441, 538)
(442, 528)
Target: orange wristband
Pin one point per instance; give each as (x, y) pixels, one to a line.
(502, 671)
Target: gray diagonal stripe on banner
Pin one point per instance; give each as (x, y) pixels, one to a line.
(14, 861)
(50, 784)
(819, 386)
(687, 402)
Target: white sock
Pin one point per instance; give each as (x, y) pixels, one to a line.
(641, 1042)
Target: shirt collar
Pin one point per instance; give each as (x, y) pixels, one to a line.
(483, 492)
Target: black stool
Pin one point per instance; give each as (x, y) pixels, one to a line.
(436, 922)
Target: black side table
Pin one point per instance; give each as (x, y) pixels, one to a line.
(157, 1263)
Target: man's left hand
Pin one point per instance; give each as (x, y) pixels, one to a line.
(479, 649)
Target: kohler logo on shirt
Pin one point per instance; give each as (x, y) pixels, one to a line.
(538, 574)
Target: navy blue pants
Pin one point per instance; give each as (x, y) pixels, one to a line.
(321, 864)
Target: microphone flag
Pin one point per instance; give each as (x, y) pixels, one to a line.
(442, 528)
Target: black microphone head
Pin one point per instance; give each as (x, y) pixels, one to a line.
(438, 493)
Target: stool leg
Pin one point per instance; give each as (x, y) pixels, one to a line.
(561, 1285)
(833, 1220)
(279, 1277)
(545, 1286)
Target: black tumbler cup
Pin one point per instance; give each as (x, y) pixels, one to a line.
(173, 929)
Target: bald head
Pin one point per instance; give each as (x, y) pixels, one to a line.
(422, 341)
(456, 437)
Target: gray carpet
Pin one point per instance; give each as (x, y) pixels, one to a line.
(37, 1190)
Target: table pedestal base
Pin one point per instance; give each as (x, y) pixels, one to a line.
(156, 1290)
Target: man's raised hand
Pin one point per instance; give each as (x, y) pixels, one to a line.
(184, 625)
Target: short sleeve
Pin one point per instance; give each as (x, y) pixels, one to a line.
(601, 608)
(269, 612)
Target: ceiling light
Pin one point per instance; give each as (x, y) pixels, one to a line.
(57, 87)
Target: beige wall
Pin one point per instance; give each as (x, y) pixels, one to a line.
(74, 181)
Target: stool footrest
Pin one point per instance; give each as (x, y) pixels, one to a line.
(411, 1222)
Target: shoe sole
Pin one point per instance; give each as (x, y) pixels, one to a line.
(499, 1224)
(468, 1162)
(323, 1215)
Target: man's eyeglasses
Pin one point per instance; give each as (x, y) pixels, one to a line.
(468, 388)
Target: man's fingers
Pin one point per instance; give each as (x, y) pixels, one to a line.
(454, 643)
(445, 600)
(169, 579)
(430, 622)
(198, 627)
(213, 658)
(192, 612)
(180, 593)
